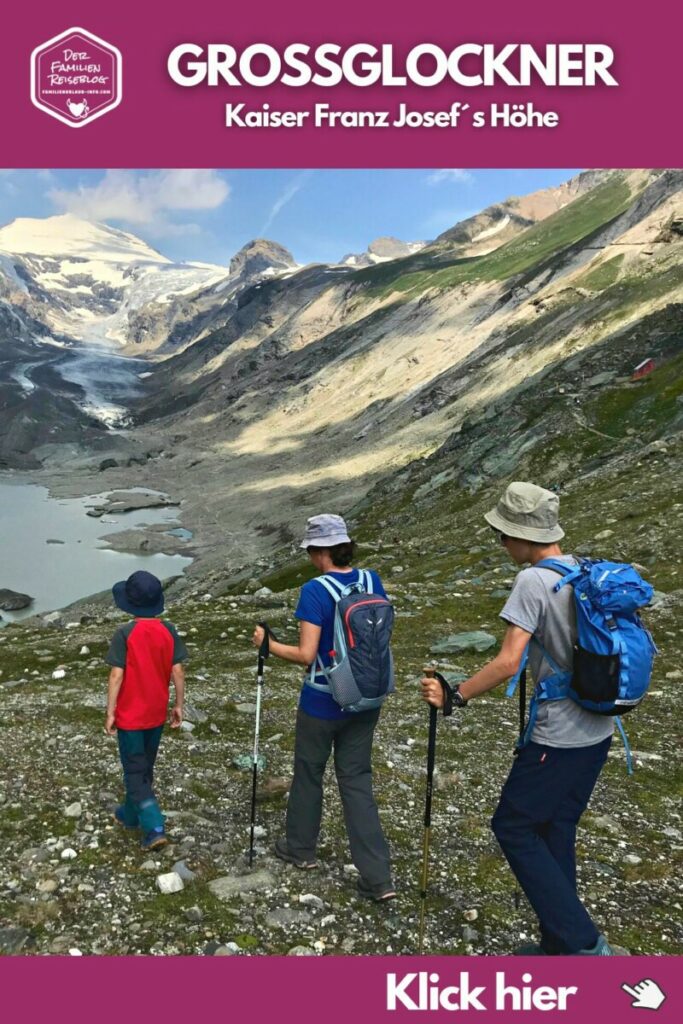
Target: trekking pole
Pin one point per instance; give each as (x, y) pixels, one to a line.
(431, 755)
(264, 651)
(522, 728)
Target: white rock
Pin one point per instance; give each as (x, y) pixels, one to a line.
(84, 649)
(186, 726)
(58, 673)
(471, 915)
(68, 854)
(47, 885)
(633, 858)
(172, 882)
(310, 900)
(604, 534)
(73, 810)
(75, 952)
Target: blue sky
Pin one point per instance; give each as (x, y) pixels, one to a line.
(319, 215)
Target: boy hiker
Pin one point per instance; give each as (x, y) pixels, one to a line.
(144, 654)
(554, 773)
(322, 725)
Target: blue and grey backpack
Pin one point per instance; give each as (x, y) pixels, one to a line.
(613, 653)
(362, 670)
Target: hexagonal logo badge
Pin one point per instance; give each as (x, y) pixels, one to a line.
(76, 77)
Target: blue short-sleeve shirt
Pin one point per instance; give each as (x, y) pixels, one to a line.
(317, 606)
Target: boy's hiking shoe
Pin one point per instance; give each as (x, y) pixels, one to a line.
(601, 948)
(120, 819)
(157, 837)
(378, 893)
(283, 852)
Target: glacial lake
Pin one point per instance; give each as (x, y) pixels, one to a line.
(56, 574)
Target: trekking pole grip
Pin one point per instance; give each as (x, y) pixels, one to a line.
(264, 649)
(447, 707)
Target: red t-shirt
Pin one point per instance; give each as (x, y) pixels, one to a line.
(146, 650)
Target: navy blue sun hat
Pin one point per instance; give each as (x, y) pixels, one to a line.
(139, 595)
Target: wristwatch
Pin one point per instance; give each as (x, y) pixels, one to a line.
(458, 698)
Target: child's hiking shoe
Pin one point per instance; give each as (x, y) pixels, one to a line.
(282, 851)
(157, 837)
(601, 948)
(379, 893)
(120, 819)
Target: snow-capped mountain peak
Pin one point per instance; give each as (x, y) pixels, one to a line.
(67, 235)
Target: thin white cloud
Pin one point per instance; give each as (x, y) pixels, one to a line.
(450, 174)
(145, 198)
(285, 197)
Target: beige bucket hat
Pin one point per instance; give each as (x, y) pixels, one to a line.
(527, 512)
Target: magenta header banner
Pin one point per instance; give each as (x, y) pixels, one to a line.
(369, 85)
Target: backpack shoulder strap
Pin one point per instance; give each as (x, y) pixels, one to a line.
(332, 586)
(568, 572)
(365, 577)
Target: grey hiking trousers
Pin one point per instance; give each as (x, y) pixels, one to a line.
(351, 739)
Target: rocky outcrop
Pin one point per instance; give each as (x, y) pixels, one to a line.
(258, 257)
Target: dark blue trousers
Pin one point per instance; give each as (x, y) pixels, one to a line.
(138, 751)
(535, 823)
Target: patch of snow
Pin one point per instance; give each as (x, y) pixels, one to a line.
(20, 375)
(489, 232)
(7, 268)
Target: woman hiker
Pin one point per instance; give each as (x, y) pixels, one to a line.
(322, 726)
(553, 775)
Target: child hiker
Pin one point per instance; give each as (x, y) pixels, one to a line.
(144, 654)
(553, 774)
(322, 725)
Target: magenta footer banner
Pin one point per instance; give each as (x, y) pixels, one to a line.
(207, 84)
(340, 989)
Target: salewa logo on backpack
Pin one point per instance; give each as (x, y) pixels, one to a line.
(362, 670)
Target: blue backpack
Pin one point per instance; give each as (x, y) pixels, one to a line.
(362, 671)
(613, 653)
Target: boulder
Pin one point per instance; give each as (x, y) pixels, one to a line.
(13, 601)
(456, 643)
(229, 886)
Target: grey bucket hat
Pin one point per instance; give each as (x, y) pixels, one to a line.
(527, 512)
(325, 531)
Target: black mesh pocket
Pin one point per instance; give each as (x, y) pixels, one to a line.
(595, 676)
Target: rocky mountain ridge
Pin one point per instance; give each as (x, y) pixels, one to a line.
(389, 361)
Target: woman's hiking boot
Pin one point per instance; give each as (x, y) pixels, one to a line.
(379, 893)
(282, 851)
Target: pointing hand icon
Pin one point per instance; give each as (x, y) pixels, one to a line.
(646, 995)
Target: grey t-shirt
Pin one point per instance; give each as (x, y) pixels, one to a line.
(550, 616)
